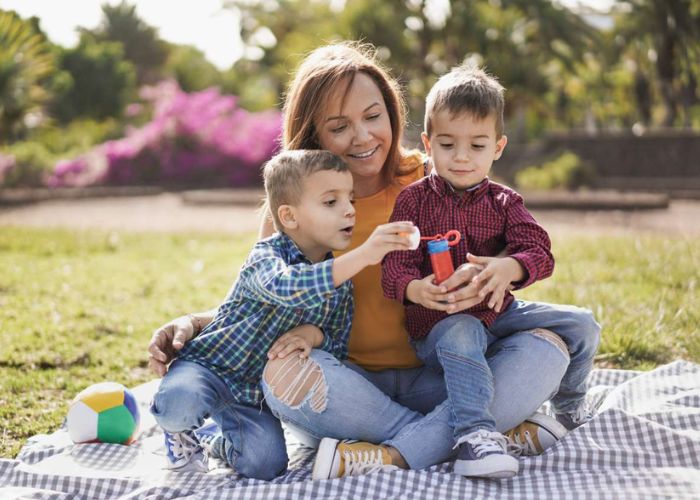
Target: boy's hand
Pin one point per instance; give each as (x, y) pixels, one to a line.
(426, 293)
(302, 338)
(496, 278)
(386, 238)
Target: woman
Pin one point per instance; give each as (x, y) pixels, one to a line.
(343, 101)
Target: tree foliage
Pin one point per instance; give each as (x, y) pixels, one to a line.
(96, 81)
(26, 62)
(140, 42)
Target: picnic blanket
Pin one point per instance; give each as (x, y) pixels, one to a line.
(644, 443)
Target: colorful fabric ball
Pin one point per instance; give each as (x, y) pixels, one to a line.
(104, 413)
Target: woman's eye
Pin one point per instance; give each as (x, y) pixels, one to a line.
(374, 117)
(339, 129)
(329, 203)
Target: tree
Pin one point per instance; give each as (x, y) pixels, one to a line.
(96, 81)
(668, 31)
(141, 44)
(26, 62)
(191, 69)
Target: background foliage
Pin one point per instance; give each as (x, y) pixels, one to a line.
(633, 68)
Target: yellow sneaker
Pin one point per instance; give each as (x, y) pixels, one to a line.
(534, 435)
(336, 458)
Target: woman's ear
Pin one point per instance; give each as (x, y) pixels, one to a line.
(287, 216)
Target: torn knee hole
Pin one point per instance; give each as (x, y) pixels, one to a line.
(552, 338)
(294, 380)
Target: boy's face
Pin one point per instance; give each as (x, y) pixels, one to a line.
(324, 217)
(463, 147)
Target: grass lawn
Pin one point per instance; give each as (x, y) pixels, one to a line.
(78, 308)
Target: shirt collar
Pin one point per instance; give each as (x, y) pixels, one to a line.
(444, 188)
(292, 252)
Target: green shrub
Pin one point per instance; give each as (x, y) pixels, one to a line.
(567, 171)
(32, 161)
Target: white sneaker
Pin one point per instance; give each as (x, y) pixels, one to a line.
(184, 453)
(534, 435)
(345, 458)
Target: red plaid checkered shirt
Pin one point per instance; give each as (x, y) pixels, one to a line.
(490, 217)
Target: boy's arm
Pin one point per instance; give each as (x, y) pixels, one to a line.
(336, 328)
(400, 268)
(271, 280)
(528, 243)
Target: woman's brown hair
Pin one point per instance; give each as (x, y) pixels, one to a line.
(321, 72)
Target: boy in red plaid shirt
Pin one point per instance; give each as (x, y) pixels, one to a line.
(463, 137)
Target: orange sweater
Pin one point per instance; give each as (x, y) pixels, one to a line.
(378, 339)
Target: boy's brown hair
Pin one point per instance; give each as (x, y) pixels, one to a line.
(284, 176)
(466, 89)
(319, 75)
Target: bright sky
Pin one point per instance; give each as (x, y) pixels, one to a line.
(201, 23)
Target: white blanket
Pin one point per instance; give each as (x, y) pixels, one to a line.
(644, 443)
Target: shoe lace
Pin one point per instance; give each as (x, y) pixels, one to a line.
(521, 444)
(485, 442)
(365, 462)
(583, 413)
(183, 444)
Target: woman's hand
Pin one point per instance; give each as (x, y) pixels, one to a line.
(303, 338)
(167, 341)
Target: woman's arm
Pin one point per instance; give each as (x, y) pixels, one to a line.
(172, 336)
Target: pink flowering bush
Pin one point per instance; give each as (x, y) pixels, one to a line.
(202, 138)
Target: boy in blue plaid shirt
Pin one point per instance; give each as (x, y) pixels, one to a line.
(289, 279)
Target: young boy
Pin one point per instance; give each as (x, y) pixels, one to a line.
(463, 136)
(289, 279)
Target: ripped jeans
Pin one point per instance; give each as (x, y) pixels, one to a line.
(408, 408)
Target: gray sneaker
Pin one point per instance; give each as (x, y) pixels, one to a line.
(582, 414)
(483, 453)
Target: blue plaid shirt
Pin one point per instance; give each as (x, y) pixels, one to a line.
(277, 289)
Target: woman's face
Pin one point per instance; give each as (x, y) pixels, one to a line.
(356, 127)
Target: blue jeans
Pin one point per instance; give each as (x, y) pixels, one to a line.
(456, 346)
(253, 438)
(407, 408)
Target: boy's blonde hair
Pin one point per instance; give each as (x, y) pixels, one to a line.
(284, 176)
(466, 89)
(321, 73)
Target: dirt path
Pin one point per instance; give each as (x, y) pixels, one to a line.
(168, 213)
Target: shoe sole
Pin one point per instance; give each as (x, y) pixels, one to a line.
(487, 467)
(549, 424)
(327, 447)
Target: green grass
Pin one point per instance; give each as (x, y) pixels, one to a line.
(78, 308)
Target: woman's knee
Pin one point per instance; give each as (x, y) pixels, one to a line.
(293, 380)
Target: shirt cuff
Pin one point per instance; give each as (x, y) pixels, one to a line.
(400, 287)
(326, 344)
(530, 270)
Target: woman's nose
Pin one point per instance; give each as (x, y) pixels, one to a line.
(362, 134)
